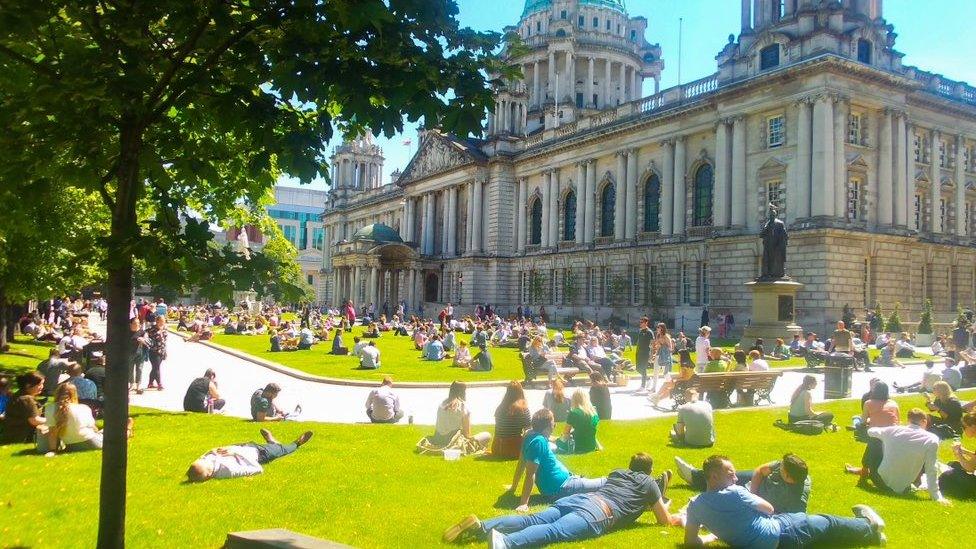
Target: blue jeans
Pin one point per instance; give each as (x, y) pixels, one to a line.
(803, 530)
(572, 518)
(579, 485)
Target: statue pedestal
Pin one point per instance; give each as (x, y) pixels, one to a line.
(773, 312)
(248, 302)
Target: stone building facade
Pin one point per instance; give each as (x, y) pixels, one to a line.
(594, 201)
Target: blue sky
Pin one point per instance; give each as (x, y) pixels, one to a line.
(935, 35)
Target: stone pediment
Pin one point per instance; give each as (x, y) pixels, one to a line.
(438, 153)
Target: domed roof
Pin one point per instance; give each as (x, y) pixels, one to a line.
(533, 6)
(377, 232)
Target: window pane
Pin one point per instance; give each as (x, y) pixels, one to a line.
(703, 197)
(607, 199)
(536, 223)
(569, 217)
(769, 57)
(652, 204)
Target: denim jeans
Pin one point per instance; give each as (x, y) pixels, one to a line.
(803, 530)
(272, 451)
(579, 485)
(571, 518)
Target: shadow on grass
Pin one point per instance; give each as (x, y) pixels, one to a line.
(508, 501)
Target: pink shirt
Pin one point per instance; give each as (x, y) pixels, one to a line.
(881, 414)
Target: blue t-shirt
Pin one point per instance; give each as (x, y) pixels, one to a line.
(551, 474)
(435, 350)
(731, 515)
(87, 390)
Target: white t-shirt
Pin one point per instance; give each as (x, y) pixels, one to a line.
(449, 421)
(383, 402)
(702, 344)
(240, 461)
(79, 425)
(758, 365)
(370, 356)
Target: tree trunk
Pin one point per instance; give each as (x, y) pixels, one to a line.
(4, 311)
(123, 240)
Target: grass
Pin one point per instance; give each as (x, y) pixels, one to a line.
(24, 355)
(363, 485)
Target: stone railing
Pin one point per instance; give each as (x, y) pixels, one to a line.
(605, 117)
(565, 130)
(700, 87)
(941, 85)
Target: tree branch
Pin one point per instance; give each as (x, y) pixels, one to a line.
(178, 59)
(33, 65)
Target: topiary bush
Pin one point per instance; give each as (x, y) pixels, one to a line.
(925, 321)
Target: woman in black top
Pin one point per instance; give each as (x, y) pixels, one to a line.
(157, 351)
(600, 395)
(140, 353)
(23, 415)
(946, 408)
(511, 420)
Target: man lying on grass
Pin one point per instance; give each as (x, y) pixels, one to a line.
(242, 460)
(619, 502)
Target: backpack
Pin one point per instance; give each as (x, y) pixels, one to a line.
(802, 427)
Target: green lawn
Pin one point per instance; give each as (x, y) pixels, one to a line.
(363, 485)
(24, 355)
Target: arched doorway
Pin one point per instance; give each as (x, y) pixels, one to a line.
(431, 287)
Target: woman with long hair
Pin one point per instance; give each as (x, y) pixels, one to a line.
(555, 400)
(537, 360)
(801, 404)
(878, 411)
(663, 347)
(946, 410)
(512, 418)
(73, 423)
(23, 416)
(453, 417)
(157, 351)
(579, 436)
(600, 395)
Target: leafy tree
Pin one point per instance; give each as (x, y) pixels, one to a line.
(571, 289)
(894, 321)
(617, 288)
(538, 292)
(173, 106)
(288, 283)
(962, 319)
(878, 320)
(925, 321)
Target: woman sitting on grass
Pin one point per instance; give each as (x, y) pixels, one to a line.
(511, 420)
(960, 480)
(462, 359)
(372, 331)
(757, 363)
(453, 417)
(556, 402)
(801, 404)
(23, 415)
(781, 351)
(946, 410)
(337, 347)
(579, 436)
(73, 423)
(600, 395)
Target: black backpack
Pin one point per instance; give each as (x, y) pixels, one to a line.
(802, 427)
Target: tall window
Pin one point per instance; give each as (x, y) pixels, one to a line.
(703, 277)
(652, 204)
(918, 212)
(650, 283)
(607, 199)
(635, 274)
(569, 217)
(703, 197)
(970, 158)
(967, 225)
(942, 154)
(775, 136)
(581, 21)
(535, 222)
(685, 284)
(596, 22)
(854, 128)
(778, 9)
(776, 195)
(854, 199)
(562, 14)
(917, 143)
(291, 233)
(942, 215)
(769, 57)
(318, 238)
(864, 51)
(538, 27)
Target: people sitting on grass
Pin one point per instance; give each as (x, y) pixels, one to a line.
(676, 382)
(449, 340)
(5, 395)
(453, 418)
(959, 481)
(263, 406)
(434, 349)
(695, 427)
(54, 370)
(71, 423)
(801, 404)
(740, 518)
(906, 450)
(482, 361)
(784, 483)
(600, 395)
(512, 418)
(579, 435)
(337, 347)
(756, 362)
(372, 331)
(536, 361)
(369, 357)
(242, 460)
(796, 345)
(622, 499)
(945, 418)
(382, 404)
(87, 390)
(202, 395)
(781, 351)
(542, 469)
(23, 415)
(419, 338)
(306, 338)
(904, 347)
(556, 401)
(939, 346)
(462, 358)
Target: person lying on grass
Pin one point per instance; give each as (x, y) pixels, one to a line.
(624, 497)
(242, 460)
(740, 518)
(543, 469)
(784, 483)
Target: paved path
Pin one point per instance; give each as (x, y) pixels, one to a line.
(239, 378)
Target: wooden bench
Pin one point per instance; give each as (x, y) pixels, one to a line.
(761, 383)
(557, 358)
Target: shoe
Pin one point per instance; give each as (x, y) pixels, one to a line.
(466, 524)
(684, 470)
(496, 540)
(159, 387)
(877, 523)
(303, 438)
(663, 482)
(139, 391)
(654, 399)
(268, 437)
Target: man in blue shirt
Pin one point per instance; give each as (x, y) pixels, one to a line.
(87, 390)
(784, 483)
(740, 518)
(434, 350)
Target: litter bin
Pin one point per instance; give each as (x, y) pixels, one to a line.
(837, 380)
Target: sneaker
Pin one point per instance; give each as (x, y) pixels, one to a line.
(685, 470)
(466, 524)
(663, 482)
(267, 436)
(496, 540)
(877, 523)
(303, 438)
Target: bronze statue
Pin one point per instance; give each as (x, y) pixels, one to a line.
(774, 239)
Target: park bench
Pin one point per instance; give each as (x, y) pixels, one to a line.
(566, 373)
(723, 383)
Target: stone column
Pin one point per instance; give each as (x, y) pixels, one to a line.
(885, 181)
(900, 194)
(589, 85)
(469, 229)
(520, 205)
(840, 159)
(739, 197)
(580, 197)
(404, 230)
(571, 77)
(800, 201)
(544, 241)
(536, 88)
(554, 208)
(667, 189)
(590, 213)
(354, 286)
(636, 90)
(910, 177)
(552, 74)
(452, 205)
(679, 186)
(823, 157)
(960, 187)
(445, 224)
(630, 230)
(607, 103)
(935, 182)
(478, 215)
(412, 290)
(429, 223)
(622, 94)
(373, 285)
(721, 203)
(620, 197)
(423, 224)
(746, 16)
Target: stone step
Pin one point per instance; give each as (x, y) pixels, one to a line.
(278, 538)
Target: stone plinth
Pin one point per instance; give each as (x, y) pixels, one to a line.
(773, 312)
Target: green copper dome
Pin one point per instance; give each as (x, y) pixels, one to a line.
(377, 232)
(533, 6)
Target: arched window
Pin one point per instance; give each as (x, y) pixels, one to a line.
(569, 217)
(702, 200)
(535, 222)
(652, 204)
(607, 199)
(769, 57)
